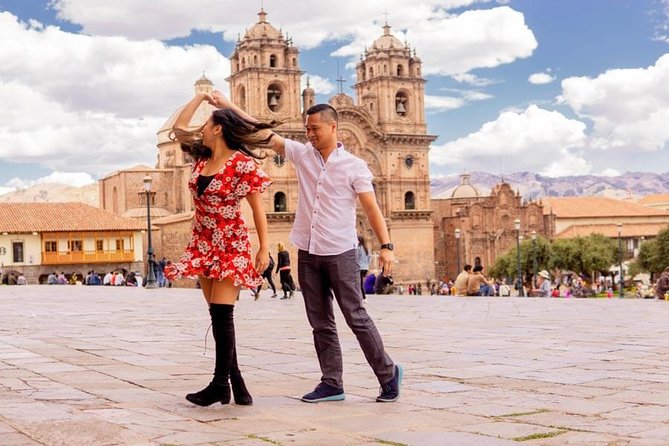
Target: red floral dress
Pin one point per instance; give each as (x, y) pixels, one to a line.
(219, 246)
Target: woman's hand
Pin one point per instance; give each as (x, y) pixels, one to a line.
(262, 260)
(217, 99)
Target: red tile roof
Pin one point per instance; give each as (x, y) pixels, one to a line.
(611, 230)
(575, 207)
(61, 217)
(650, 200)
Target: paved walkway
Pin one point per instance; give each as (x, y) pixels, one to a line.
(107, 366)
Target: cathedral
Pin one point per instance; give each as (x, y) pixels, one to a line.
(384, 124)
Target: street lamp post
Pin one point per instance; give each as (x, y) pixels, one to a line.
(151, 275)
(620, 259)
(457, 242)
(534, 259)
(519, 282)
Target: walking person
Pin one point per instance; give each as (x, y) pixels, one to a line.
(219, 252)
(283, 268)
(267, 275)
(363, 263)
(331, 181)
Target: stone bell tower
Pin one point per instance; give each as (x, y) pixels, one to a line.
(265, 73)
(390, 85)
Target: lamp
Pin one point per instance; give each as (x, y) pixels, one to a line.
(620, 259)
(534, 258)
(151, 275)
(519, 280)
(457, 241)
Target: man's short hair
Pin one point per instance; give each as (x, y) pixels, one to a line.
(326, 110)
(478, 268)
(468, 267)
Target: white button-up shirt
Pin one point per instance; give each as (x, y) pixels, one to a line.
(328, 193)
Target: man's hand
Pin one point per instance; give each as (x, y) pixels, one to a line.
(387, 259)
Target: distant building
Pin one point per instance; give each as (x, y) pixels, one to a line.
(40, 238)
(582, 216)
(485, 224)
(658, 201)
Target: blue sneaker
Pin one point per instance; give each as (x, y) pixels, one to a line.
(324, 392)
(390, 391)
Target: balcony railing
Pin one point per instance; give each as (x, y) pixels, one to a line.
(66, 257)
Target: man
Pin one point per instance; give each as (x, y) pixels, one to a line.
(462, 280)
(477, 285)
(331, 181)
(544, 281)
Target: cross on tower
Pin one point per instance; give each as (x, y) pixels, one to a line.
(340, 80)
(385, 13)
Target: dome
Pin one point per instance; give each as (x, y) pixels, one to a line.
(387, 41)
(262, 29)
(465, 189)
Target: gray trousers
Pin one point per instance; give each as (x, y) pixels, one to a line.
(320, 277)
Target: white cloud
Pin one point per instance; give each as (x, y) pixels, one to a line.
(629, 108)
(474, 80)
(320, 84)
(540, 78)
(445, 103)
(170, 18)
(483, 38)
(81, 103)
(609, 173)
(535, 140)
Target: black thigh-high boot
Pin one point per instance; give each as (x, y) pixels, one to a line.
(239, 390)
(219, 388)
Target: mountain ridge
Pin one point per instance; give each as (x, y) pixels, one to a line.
(628, 186)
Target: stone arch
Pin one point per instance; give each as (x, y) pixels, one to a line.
(280, 202)
(409, 200)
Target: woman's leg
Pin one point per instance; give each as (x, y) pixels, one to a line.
(222, 296)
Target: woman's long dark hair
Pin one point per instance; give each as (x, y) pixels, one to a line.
(239, 134)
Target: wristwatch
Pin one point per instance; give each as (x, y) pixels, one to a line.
(388, 246)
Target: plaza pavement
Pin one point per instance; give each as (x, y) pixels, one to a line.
(106, 366)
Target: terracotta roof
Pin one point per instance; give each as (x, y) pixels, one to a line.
(574, 207)
(611, 230)
(654, 199)
(61, 217)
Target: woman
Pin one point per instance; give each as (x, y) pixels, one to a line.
(283, 268)
(363, 263)
(219, 252)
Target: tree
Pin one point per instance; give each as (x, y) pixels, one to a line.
(654, 254)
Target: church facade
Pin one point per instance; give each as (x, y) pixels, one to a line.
(384, 124)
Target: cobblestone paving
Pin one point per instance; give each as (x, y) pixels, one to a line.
(108, 366)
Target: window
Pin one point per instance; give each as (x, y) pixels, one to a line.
(142, 198)
(401, 103)
(99, 245)
(51, 246)
(75, 245)
(400, 70)
(272, 61)
(294, 62)
(274, 97)
(409, 200)
(120, 244)
(280, 202)
(17, 252)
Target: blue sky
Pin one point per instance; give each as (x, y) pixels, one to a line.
(556, 87)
